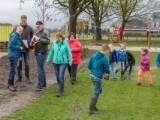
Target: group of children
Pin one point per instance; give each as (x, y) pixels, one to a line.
(98, 65)
(123, 58)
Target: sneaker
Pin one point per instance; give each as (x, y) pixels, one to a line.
(114, 79)
(72, 82)
(39, 89)
(12, 88)
(106, 77)
(150, 85)
(18, 80)
(28, 81)
(59, 94)
(138, 83)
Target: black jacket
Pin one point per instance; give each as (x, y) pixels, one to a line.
(130, 57)
(27, 31)
(42, 46)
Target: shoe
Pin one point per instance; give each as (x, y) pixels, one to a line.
(39, 89)
(106, 77)
(12, 88)
(18, 80)
(92, 108)
(150, 85)
(123, 78)
(59, 94)
(44, 85)
(138, 83)
(114, 79)
(28, 81)
(129, 76)
(72, 82)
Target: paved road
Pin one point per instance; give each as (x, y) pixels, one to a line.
(128, 48)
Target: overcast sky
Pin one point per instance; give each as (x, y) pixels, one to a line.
(10, 13)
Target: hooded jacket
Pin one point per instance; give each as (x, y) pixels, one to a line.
(158, 60)
(59, 53)
(121, 56)
(145, 62)
(130, 57)
(14, 45)
(98, 65)
(112, 57)
(76, 48)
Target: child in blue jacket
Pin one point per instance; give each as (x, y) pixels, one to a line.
(158, 61)
(121, 58)
(112, 62)
(98, 65)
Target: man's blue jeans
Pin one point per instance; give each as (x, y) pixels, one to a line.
(112, 65)
(97, 85)
(60, 71)
(13, 69)
(40, 68)
(26, 61)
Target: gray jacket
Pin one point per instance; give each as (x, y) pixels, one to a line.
(42, 46)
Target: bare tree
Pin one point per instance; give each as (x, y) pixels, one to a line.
(129, 10)
(74, 8)
(98, 11)
(42, 10)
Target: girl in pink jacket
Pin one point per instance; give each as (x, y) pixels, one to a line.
(75, 48)
(145, 66)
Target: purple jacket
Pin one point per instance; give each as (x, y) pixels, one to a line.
(145, 62)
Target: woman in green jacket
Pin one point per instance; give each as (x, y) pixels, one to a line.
(60, 52)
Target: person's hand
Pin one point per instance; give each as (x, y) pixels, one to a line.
(21, 48)
(37, 39)
(20, 59)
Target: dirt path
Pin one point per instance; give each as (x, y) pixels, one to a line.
(13, 101)
(128, 48)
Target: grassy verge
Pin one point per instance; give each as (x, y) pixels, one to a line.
(120, 100)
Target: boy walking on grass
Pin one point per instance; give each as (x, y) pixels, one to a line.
(98, 65)
(121, 58)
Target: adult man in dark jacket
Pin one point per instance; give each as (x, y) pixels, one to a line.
(41, 48)
(27, 31)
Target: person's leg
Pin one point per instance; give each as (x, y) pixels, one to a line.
(73, 73)
(19, 70)
(140, 73)
(62, 69)
(113, 71)
(13, 69)
(56, 69)
(126, 68)
(44, 77)
(26, 61)
(69, 70)
(97, 91)
(130, 69)
(148, 75)
(40, 68)
(119, 67)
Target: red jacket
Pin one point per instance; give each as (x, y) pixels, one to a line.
(76, 48)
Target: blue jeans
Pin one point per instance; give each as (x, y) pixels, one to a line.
(40, 68)
(112, 69)
(121, 66)
(60, 71)
(13, 64)
(97, 85)
(24, 56)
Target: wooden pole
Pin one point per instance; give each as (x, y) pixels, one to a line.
(149, 39)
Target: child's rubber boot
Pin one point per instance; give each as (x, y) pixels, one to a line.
(92, 108)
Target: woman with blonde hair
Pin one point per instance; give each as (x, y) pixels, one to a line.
(59, 51)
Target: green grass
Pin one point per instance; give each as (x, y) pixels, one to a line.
(120, 100)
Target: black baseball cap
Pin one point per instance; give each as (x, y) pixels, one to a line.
(38, 23)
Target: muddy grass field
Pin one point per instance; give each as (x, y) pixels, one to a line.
(13, 101)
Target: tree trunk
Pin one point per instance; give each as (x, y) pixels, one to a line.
(73, 17)
(122, 30)
(72, 23)
(98, 31)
